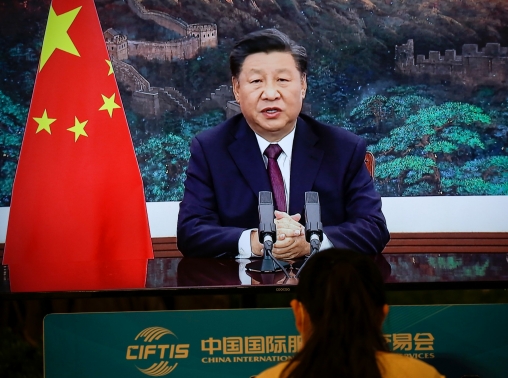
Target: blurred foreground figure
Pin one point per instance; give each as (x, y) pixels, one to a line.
(339, 311)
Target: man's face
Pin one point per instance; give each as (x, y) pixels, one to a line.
(270, 90)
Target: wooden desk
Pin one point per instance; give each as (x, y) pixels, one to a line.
(401, 242)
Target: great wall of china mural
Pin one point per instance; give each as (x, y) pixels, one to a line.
(153, 101)
(423, 82)
(474, 67)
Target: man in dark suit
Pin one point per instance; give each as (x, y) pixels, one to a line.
(219, 213)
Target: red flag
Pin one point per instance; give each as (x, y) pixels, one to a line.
(78, 216)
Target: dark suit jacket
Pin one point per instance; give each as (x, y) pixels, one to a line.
(226, 172)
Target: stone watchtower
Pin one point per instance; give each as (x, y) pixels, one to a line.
(206, 33)
(404, 57)
(116, 44)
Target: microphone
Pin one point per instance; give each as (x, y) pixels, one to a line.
(313, 225)
(267, 232)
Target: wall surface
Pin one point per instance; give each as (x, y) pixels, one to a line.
(406, 214)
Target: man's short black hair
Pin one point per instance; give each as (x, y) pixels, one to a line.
(266, 41)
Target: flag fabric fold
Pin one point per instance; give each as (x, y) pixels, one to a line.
(77, 201)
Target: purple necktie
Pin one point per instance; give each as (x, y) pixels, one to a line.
(272, 152)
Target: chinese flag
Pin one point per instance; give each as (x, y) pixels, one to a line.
(78, 216)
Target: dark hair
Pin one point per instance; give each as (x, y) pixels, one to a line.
(266, 41)
(343, 293)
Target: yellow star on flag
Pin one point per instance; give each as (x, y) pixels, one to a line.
(56, 36)
(78, 129)
(109, 104)
(110, 67)
(44, 122)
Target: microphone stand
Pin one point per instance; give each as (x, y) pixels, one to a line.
(315, 245)
(313, 227)
(267, 232)
(268, 264)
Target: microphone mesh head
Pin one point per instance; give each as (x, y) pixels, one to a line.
(311, 197)
(265, 197)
